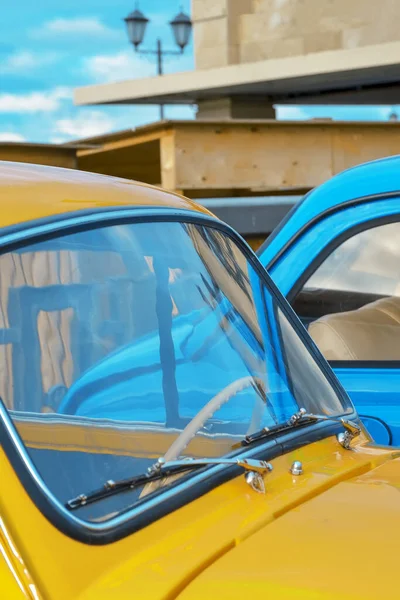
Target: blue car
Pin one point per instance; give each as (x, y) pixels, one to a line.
(336, 257)
(337, 260)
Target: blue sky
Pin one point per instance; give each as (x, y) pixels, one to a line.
(47, 48)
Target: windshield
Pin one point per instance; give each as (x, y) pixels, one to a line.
(113, 339)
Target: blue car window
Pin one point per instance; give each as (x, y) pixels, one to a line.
(368, 262)
(351, 303)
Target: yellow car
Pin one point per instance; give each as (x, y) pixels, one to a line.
(168, 429)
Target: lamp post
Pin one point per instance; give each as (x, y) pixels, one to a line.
(181, 25)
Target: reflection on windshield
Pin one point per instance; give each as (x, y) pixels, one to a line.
(113, 339)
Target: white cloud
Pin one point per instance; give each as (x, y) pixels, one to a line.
(86, 26)
(338, 113)
(128, 65)
(114, 67)
(291, 113)
(58, 139)
(25, 61)
(34, 102)
(8, 136)
(87, 124)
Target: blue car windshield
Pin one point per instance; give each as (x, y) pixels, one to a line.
(112, 339)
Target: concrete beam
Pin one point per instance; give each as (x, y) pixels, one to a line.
(281, 80)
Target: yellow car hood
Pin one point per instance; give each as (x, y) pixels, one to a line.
(332, 532)
(342, 544)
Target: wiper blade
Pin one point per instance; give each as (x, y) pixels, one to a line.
(160, 470)
(302, 417)
(267, 432)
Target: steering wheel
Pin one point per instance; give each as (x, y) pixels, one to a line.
(185, 437)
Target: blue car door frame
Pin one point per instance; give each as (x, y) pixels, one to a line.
(373, 387)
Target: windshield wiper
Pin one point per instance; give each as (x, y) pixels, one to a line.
(302, 417)
(162, 469)
(254, 468)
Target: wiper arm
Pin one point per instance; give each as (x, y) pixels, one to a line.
(302, 417)
(254, 467)
(162, 469)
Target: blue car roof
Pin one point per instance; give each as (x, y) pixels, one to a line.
(368, 179)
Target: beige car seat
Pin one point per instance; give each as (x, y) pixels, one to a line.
(371, 332)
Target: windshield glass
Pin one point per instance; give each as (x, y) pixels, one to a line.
(113, 339)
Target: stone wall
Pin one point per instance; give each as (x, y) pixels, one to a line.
(217, 34)
(237, 31)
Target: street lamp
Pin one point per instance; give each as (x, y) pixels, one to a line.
(181, 25)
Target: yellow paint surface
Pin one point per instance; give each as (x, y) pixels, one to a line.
(333, 532)
(30, 192)
(304, 528)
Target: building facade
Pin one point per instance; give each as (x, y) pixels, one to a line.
(231, 32)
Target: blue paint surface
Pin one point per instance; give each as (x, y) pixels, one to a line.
(375, 392)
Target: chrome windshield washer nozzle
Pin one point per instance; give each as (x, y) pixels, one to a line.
(296, 468)
(255, 481)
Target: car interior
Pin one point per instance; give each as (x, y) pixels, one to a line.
(366, 328)
(350, 303)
